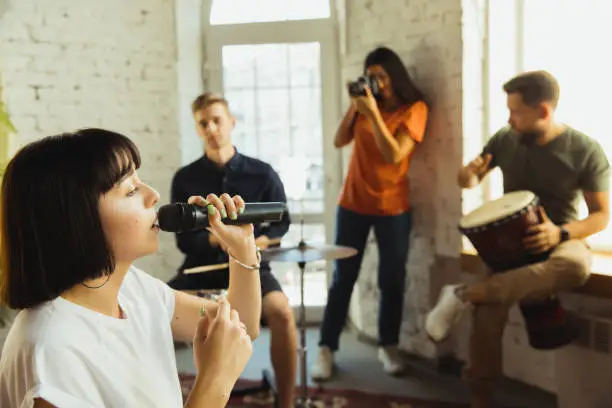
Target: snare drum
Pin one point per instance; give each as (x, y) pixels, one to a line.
(497, 229)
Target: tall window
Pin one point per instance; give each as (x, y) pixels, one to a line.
(249, 11)
(275, 90)
(276, 62)
(565, 38)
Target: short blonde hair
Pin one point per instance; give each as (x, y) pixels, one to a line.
(207, 99)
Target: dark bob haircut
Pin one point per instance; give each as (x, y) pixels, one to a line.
(403, 87)
(52, 237)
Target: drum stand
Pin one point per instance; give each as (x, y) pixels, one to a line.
(301, 254)
(303, 400)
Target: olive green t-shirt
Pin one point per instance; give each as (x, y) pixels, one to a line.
(556, 172)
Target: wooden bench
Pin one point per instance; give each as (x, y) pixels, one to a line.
(598, 285)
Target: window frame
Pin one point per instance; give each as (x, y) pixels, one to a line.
(329, 32)
(265, 21)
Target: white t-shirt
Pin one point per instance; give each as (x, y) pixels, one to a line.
(74, 357)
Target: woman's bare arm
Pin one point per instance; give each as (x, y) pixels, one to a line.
(344, 134)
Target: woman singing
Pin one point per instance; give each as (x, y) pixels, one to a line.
(93, 330)
(386, 127)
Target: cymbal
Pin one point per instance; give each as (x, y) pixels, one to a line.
(307, 253)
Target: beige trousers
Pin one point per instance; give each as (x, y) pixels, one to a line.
(567, 268)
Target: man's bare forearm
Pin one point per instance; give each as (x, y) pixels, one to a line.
(591, 225)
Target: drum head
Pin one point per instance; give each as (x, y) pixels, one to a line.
(491, 211)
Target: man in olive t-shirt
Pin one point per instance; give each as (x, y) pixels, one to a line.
(557, 172)
(559, 165)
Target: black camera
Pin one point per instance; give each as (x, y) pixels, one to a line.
(357, 88)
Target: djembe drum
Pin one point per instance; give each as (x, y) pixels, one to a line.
(496, 230)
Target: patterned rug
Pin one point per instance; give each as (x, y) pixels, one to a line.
(325, 398)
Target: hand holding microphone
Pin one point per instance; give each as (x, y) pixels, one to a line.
(229, 219)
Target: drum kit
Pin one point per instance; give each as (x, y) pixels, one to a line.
(301, 254)
(496, 230)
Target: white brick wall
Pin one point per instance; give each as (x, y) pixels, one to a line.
(70, 64)
(189, 26)
(3, 6)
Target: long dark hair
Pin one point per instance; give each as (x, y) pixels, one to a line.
(403, 87)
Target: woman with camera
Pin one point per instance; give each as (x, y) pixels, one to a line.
(386, 121)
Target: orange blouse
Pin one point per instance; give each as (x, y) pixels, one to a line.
(373, 186)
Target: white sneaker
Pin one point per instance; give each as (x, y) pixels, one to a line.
(445, 313)
(322, 369)
(392, 361)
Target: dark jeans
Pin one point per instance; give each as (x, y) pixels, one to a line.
(393, 236)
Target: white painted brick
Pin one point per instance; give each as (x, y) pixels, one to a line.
(110, 64)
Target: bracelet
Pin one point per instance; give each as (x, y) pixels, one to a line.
(245, 266)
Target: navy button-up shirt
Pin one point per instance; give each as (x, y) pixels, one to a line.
(252, 179)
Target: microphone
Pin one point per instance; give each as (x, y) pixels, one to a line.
(181, 217)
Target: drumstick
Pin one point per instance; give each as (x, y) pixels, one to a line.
(216, 267)
(206, 268)
(275, 241)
